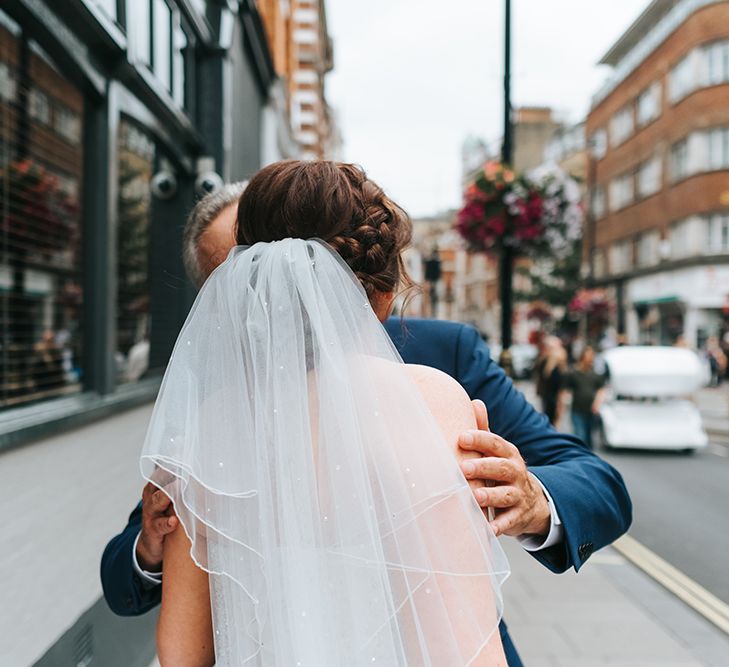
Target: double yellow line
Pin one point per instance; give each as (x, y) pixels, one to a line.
(697, 597)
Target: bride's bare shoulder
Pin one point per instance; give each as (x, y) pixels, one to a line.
(446, 398)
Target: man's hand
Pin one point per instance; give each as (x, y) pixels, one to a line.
(158, 520)
(520, 504)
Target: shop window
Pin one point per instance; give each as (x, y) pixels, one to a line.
(39, 108)
(136, 167)
(41, 293)
(68, 124)
(8, 83)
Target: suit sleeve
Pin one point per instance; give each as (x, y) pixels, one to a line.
(589, 494)
(124, 591)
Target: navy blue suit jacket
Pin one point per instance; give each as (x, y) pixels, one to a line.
(588, 493)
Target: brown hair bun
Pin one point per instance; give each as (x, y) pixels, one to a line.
(335, 202)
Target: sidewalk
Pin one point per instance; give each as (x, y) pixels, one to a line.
(610, 614)
(713, 403)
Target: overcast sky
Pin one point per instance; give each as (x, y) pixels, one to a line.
(414, 78)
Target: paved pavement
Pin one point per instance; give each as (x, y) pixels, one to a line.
(714, 405)
(62, 498)
(608, 615)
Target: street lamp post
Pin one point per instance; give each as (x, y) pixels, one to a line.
(506, 260)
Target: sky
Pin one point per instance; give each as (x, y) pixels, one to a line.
(413, 78)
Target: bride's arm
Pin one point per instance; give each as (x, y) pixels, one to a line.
(185, 630)
(453, 411)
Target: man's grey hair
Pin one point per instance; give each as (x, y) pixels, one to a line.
(200, 218)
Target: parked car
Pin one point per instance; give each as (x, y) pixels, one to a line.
(523, 358)
(649, 402)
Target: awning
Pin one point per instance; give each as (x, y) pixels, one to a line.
(656, 300)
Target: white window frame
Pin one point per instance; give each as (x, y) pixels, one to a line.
(621, 191)
(679, 157)
(622, 126)
(39, 106)
(648, 248)
(718, 233)
(599, 143)
(650, 176)
(648, 104)
(598, 204)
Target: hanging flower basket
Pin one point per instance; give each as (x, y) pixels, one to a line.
(539, 213)
(590, 302)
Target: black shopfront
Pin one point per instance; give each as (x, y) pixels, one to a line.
(109, 111)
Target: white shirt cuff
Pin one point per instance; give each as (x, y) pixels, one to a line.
(556, 530)
(149, 579)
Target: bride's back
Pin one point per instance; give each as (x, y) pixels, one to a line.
(313, 473)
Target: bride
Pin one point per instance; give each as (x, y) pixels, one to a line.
(325, 519)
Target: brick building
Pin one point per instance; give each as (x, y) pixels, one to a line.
(302, 56)
(658, 234)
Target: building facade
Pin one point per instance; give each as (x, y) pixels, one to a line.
(658, 131)
(115, 116)
(303, 55)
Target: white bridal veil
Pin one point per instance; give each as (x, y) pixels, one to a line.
(313, 481)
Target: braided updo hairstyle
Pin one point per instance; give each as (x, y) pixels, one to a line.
(337, 203)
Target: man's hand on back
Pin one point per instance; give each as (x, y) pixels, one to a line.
(158, 521)
(520, 504)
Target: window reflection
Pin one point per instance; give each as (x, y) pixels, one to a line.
(136, 165)
(40, 236)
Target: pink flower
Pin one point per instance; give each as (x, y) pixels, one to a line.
(496, 225)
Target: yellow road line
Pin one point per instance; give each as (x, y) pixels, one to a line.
(697, 597)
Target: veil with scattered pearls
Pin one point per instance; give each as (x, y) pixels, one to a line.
(311, 479)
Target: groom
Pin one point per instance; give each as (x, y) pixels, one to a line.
(557, 498)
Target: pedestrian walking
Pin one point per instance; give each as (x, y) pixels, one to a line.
(588, 389)
(550, 371)
(717, 360)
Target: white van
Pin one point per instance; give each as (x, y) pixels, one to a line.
(649, 402)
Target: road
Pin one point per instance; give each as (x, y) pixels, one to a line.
(681, 501)
(681, 510)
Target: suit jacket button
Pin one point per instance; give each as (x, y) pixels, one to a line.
(129, 602)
